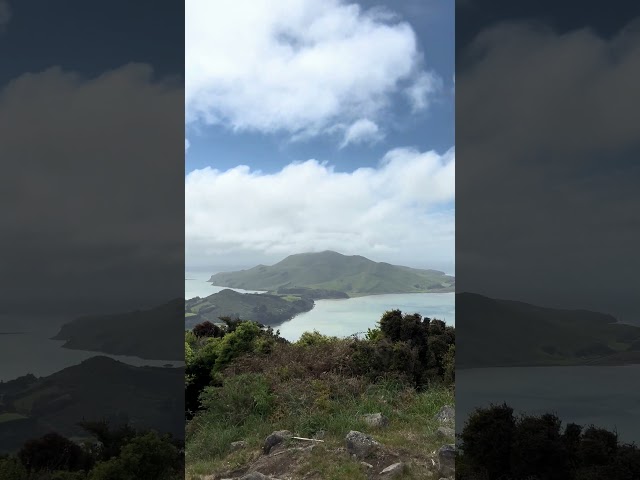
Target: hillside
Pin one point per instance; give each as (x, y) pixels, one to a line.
(509, 333)
(322, 407)
(128, 333)
(353, 275)
(263, 308)
(98, 388)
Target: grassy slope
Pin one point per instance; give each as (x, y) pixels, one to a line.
(242, 305)
(354, 275)
(128, 333)
(507, 333)
(410, 435)
(100, 388)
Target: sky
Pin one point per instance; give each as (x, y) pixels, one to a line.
(91, 120)
(548, 134)
(315, 125)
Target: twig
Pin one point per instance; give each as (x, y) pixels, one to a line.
(308, 439)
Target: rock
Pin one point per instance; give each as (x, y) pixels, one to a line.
(447, 460)
(393, 471)
(239, 445)
(445, 432)
(376, 420)
(274, 439)
(255, 476)
(365, 464)
(360, 444)
(447, 414)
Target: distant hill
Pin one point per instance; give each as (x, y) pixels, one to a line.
(508, 333)
(150, 334)
(98, 388)
(353, 275)
(263, 308)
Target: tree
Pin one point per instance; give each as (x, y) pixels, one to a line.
(207, 329)
(51, 452)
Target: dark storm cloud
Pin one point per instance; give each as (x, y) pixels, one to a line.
(92, 178)
(548, 136)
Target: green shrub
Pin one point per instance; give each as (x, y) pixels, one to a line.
(240, 397)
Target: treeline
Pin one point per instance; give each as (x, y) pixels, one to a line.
(121, 453)
(415, 350)
(496, 444)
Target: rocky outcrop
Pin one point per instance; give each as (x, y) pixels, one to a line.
(447, 414)
(376, 420)
(447, 460)
(360, 444)
(274, 439)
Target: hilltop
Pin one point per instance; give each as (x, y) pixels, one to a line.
(98, 388)
(265, 308)
(128, 333)
(510, 333)
(352, 275)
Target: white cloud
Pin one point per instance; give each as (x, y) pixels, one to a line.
(93, 165)
(187, 144)
(422, 90)
(297, 66)
(362, 131)
(400, 211)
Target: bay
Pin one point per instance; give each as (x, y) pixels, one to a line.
(196, 285)
(344, 317)
(26, 347)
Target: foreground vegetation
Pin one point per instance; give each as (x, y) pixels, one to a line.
(245, 382)
(121, 453)
(496, 444)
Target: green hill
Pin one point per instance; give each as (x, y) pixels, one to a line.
(353, 275)
(263, 308)
(508, 333)
(129, 333)
(98, 388)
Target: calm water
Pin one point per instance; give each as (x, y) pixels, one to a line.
(26, 347)
(342, 317)
(345, 317)
(603, 396)
(196, 285)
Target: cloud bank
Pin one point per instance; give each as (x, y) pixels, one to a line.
(550, 122)
(5, 13)
(91, 205)
(401, 211)
(302, 67)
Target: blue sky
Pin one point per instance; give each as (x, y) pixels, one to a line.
(342, 118)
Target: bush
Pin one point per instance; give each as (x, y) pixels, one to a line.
(51, 452)
(241, 397)
(497, 445)
(12, 469)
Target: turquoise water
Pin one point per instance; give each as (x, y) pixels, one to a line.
(343, 317)
(196, 285)
(349, 316)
